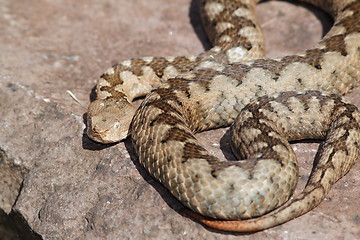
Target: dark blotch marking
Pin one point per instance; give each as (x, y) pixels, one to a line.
(204, 77)
(166, 119)
(158, 64)
(351, 23)
(335, 44)
(176, 134)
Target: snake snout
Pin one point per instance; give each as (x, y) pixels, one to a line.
(113, 134)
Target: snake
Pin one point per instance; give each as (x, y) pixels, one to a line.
(266, 102)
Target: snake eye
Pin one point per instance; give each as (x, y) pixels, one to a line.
(117, 125)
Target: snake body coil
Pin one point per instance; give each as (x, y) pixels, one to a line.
(270, 101)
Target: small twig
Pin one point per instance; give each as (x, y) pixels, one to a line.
(72, 95)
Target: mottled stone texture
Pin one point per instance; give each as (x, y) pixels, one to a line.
(57, 184)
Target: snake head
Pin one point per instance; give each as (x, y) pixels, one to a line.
(108, 120)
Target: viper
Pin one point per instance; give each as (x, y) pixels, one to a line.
(267, 102)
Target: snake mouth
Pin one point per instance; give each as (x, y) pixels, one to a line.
(106, 136)
(97, 136)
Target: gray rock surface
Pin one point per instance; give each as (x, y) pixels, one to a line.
(55, 183)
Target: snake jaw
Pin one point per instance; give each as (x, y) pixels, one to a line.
(113, 134)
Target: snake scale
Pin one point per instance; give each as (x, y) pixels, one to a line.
(267, 102)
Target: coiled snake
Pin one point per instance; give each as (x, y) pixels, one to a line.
(270, 101)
